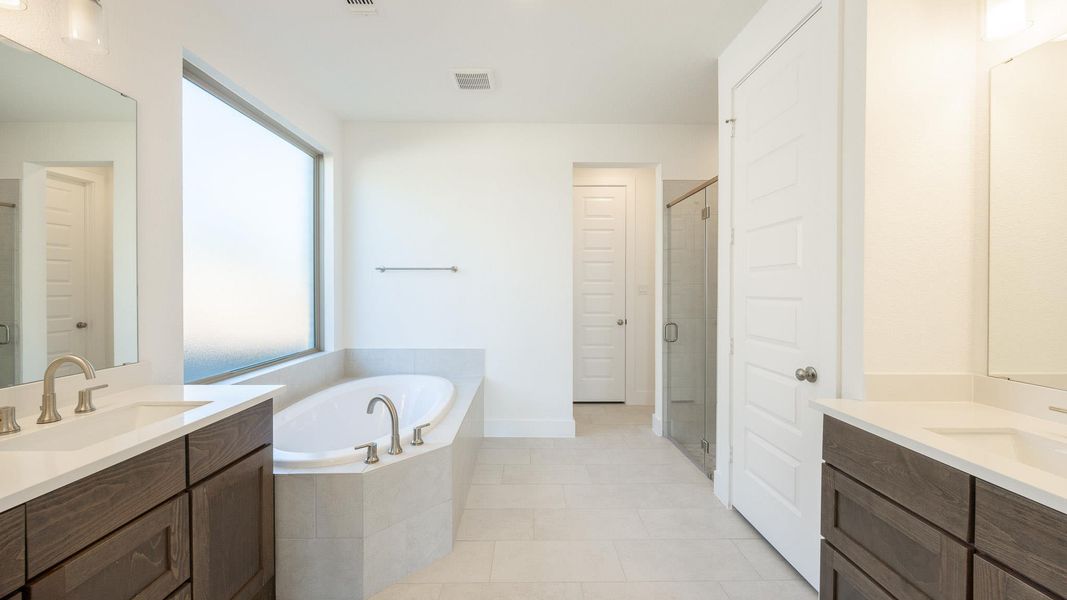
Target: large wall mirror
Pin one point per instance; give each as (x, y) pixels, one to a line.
(68, 222)
(1028, 218)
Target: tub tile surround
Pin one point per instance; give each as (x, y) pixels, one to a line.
(403, 513)
(630, 536)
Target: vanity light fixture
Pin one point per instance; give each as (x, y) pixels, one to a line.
(87, 26)
(1005, 18)
(13, 4)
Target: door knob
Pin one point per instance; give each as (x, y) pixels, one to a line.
(81, 325)
(620, 322)
(808, 374)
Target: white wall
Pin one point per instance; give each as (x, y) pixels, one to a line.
(148, 38)
(495, 200)
(920, 234)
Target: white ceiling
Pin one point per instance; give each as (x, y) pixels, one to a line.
(38, 90)
(570, 61)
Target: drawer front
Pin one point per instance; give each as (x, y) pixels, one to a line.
(12, 550)
(934, 491)
(62, 523)
(186, 593)
(993, 583)
(842, 580)
(1027, 537)
(145, 560)
(906, 556)
(233, 530)
(218, 445)
(15, 596)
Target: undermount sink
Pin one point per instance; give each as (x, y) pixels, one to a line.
(81, 431)
(1040, 452)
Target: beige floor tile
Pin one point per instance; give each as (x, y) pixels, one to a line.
(684, 560)
(633, 495)
(686, 495)
(764, 590)
(515, 496)
(606, 456)
(410, 591)
(556, 561)
(569, 524)
(487, 474)
(696, 523)
(659, 590)
(569, 474)
(512, 591)
(768, 563)
(496, 524)
(672, 473)
(468, 562)
(518, 443)
(504, 456)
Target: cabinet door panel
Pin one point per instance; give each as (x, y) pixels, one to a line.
(12, 550)
(908, 557)
(993, 583)
(145, 560)
(842, 580)
(215, 446)
(186, 593)
(233, 530)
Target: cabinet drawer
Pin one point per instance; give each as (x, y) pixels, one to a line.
(215, 446)
(15, 596)
(903, 554)
(842, 580)
(1027, 537)
(233, 530)
(993, 583)
(12, 550)
(934, 491)
(67, 520)
(145, 560)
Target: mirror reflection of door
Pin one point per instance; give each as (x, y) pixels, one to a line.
(77, 254)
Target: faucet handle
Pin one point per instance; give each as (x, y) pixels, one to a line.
(416, 438)
(85, 399)
(8, 424)
(372, 452)
(1058, 409)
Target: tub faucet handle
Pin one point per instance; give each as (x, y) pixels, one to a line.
(416, 438)
(372, 452)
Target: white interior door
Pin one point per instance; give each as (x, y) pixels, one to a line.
(67, 302)
(600, 294)
(785, 298)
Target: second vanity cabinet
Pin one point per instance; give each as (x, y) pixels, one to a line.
(899, 525)
(191, 519)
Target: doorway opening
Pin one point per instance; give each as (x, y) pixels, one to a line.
(690, 267)
(614, 282)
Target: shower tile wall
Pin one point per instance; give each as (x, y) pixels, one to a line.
(9, 194)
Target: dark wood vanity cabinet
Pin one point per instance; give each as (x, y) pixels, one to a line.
(192, 519)
(899, 525)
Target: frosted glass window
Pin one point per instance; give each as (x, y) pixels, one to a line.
(249, 240)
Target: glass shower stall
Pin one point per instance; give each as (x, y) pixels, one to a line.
(690, 254)
(9, 288)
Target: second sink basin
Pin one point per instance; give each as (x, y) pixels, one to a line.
(1044, 453)
(75, 433)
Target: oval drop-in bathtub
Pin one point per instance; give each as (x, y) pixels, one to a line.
(322, 429)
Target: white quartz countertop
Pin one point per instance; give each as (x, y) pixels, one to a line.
(909, 424)
(29, 470)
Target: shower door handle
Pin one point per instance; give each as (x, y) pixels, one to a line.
(670, 332)
(5, 335)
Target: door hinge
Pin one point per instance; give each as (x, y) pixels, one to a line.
(733, 126)
(733, 237)
(705, 445)
(731, 346)
(705, 213)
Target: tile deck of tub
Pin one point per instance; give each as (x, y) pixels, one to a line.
(615, 513)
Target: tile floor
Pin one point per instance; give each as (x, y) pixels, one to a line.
(616, 513)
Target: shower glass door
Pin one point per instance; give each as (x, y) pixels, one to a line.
(9, 228)
(689, 333)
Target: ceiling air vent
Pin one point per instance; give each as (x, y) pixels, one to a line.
(362, 7)
(474, 79)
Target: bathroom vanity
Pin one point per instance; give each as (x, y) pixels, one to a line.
(190, 514)
(900, 524)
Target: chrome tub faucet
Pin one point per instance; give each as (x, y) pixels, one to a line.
(394, 447)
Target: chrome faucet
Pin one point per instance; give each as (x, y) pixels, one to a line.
(1058, 409)
(394, 447)
(49, 414)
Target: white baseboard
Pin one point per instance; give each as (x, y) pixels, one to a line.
(529, 428)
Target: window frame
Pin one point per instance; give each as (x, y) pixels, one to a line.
(198, 77)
